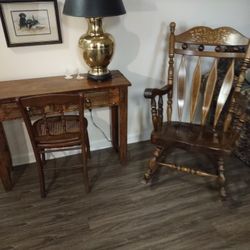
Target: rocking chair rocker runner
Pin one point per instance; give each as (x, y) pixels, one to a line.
(53, 130)
(219, 136)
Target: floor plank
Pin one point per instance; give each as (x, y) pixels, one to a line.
(175, 212)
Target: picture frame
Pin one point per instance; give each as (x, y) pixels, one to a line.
(30, 22)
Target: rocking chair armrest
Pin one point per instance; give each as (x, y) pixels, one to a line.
(150, 93)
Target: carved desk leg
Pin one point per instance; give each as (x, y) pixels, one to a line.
(123, 124)
(5, 161)
(114, 128)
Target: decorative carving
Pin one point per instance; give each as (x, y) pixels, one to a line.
(160, 111)
(221, 177)
(154, 114)
(184, 46)
(153, 166)
(206, 35)
(218, 48)
(201, 47)
(187, 170)
(170, 71)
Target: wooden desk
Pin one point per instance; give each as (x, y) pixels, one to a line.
(111, 93)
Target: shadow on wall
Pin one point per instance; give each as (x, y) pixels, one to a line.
(22, 145)
(126, 52)
(139, 5)
(128, 46)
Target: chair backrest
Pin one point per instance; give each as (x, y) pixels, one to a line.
(45, 106)
(193, 50)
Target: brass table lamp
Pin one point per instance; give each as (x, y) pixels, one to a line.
(98, 46)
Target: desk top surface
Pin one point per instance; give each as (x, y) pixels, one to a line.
(9, 90)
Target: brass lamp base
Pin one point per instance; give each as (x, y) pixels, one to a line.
(100, 77)
(98, 50)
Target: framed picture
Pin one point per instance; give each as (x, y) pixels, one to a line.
(30, 22)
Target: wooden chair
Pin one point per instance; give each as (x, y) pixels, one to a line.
(195, 132)
(53, 130)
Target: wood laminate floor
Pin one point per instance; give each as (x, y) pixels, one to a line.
(177, 211)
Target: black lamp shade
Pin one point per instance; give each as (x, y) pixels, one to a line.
(93, 8)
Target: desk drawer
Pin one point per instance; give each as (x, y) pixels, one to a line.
(103, 98)
(106, 98)
(9, 111)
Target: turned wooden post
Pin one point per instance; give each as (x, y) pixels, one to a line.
(5, 161)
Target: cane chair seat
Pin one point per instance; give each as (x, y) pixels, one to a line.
(53, 132)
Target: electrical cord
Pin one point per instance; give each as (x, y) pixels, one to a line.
(99, 128)
(88, 105)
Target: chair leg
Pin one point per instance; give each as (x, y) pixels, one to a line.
(85, 170)
(221, 177)
(87, 144)
(86, 179)
(39, 164)
(152, 165)
(43, 157)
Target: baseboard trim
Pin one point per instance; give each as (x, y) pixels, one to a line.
(22, 159)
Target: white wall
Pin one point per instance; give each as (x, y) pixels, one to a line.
(140, 55)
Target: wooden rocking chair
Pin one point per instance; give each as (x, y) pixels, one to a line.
(193, 49)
